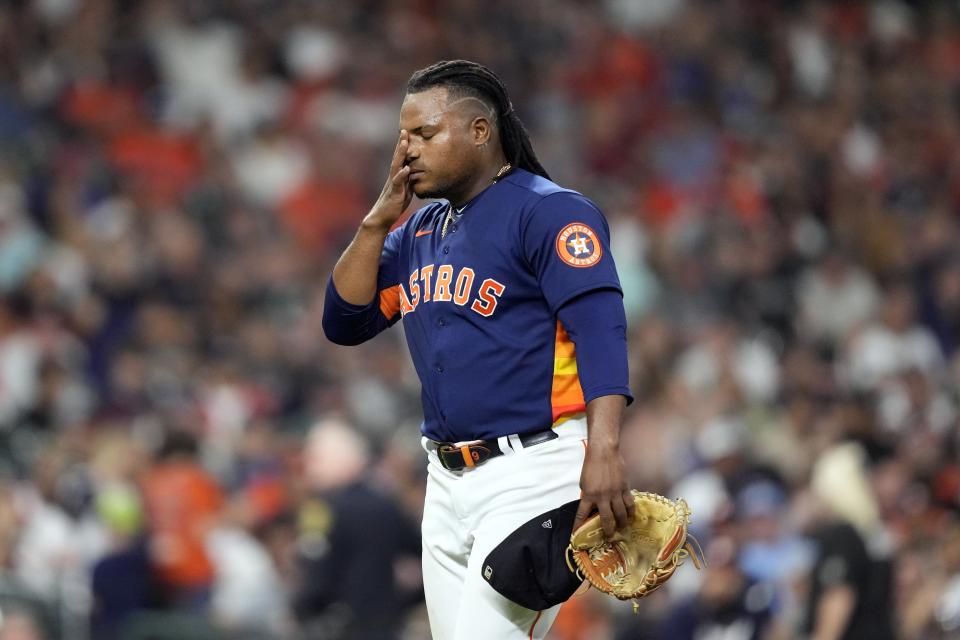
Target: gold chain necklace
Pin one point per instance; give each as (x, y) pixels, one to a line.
(446, 222)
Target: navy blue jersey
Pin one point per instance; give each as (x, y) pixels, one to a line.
(480, 305)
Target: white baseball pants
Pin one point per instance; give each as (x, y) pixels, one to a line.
(468, 513)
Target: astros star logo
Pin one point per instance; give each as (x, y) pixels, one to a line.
(578, 246)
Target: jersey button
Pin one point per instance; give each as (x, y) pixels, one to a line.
(446, 249)
(439, 369)
(441, 322)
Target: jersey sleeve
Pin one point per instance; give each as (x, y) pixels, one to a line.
(351, 324)
(597, 324)
(566, 241)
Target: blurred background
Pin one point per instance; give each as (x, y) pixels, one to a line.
(182, 455)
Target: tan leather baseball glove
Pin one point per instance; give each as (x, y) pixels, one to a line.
(639, 557)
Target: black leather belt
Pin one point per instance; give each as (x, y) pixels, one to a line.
(471, 454)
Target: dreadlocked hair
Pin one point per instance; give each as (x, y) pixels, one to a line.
(463, 78)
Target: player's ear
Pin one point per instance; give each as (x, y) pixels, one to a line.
(481, 131)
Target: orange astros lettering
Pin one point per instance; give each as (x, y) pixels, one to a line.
(423, 287)
(405, 306)
(486, 303)
(426, 274)
(414, 289)
(461, 293)
(444, 276)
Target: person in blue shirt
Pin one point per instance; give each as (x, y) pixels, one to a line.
(514, 318)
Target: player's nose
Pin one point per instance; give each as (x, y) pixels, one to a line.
(413, 152)
(413, 149)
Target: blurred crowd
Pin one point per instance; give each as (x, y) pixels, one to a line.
(182, 453)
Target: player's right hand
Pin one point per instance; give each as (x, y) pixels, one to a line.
(397, 192)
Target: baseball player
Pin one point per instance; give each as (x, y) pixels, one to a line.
(514, 318)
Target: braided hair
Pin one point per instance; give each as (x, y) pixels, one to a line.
(463, 78)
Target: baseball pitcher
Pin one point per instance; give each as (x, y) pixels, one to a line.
(513, 313)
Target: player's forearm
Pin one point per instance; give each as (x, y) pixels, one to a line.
(355, 276)
(603, 422)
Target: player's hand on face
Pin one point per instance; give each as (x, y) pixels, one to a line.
(397, 192)
(604, 485)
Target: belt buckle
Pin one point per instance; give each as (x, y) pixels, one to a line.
(470, 457)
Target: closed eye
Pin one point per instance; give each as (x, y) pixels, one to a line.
(423, 132)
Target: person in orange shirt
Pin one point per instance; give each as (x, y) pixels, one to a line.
(182, 503)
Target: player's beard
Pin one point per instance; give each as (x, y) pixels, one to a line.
(448, 189)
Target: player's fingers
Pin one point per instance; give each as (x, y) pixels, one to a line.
(400, 179)
(619, 511)
(399, 152)
(607, 521)
(628, 501)
(402, 138)
(583, 512)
